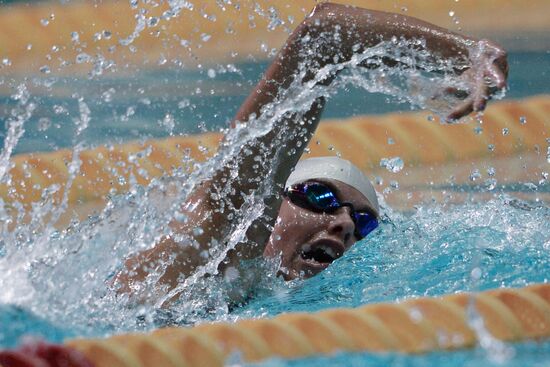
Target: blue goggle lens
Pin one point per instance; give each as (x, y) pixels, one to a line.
(321, 196)
(365, 223)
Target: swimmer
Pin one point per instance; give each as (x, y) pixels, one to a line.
(319, 207)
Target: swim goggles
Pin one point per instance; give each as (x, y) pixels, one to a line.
(320, 198)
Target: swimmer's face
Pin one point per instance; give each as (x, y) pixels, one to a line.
(308, 242)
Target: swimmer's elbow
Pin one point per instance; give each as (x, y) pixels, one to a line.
(325, 7)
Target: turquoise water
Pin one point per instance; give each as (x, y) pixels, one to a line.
(124, 109)
(525, 354)
(433, 251)
(54, 282)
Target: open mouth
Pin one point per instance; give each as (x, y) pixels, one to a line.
(323, 253)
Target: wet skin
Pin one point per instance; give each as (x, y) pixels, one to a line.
(307, 242)
(276, 153)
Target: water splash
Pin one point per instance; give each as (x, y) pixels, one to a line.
(394, 164)
(64, 275)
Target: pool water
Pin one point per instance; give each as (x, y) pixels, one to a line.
(123, 108)
(55, 283)
(536, 354)
(433, 251)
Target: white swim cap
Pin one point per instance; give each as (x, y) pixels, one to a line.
(337, 169)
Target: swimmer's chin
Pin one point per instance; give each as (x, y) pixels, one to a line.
(288, 274)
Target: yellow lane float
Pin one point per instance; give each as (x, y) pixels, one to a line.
(414, 326)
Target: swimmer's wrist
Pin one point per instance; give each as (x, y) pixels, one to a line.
(484, 49)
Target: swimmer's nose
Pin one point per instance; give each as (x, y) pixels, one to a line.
(342, 226)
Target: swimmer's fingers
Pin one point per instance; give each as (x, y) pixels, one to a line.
(480, 96)
(462, 110)
(476, 101)
(486, 77)
(492, 79)
(490, 73)
(498, 75)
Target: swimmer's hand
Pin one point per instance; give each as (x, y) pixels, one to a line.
(487, 76)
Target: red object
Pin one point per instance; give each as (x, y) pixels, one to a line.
(41, 354)
(16, 358)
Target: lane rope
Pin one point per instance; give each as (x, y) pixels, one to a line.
(414, 326)
(419, 142)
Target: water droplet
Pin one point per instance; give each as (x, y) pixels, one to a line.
(205, 37)
(523, 120)
(168, 122)
(478, 130)
(491, 171)
(29, 47)
(394, 185)
(58, 110)
(153, 21)
(6, 62)
(490, 184)
(162, 60)
(107, 96)
(130, 111)
(82, 58)
(197, 231)
(75, 37)
(44, 69)
(184, 103)
(84, 120)
(230, 274)
(505, 131)
(476, 274)
(44, 22)
(416, 315)
(391, 141)
(451, 13)
(180, 217)
(211, 73)
(394, 164)
(44, 124)
(475, 174)
(491, 147)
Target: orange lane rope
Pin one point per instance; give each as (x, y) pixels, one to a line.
(362, 139)
(29, 32)
(413, 326)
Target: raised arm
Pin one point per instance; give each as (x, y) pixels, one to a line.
(331, 34)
